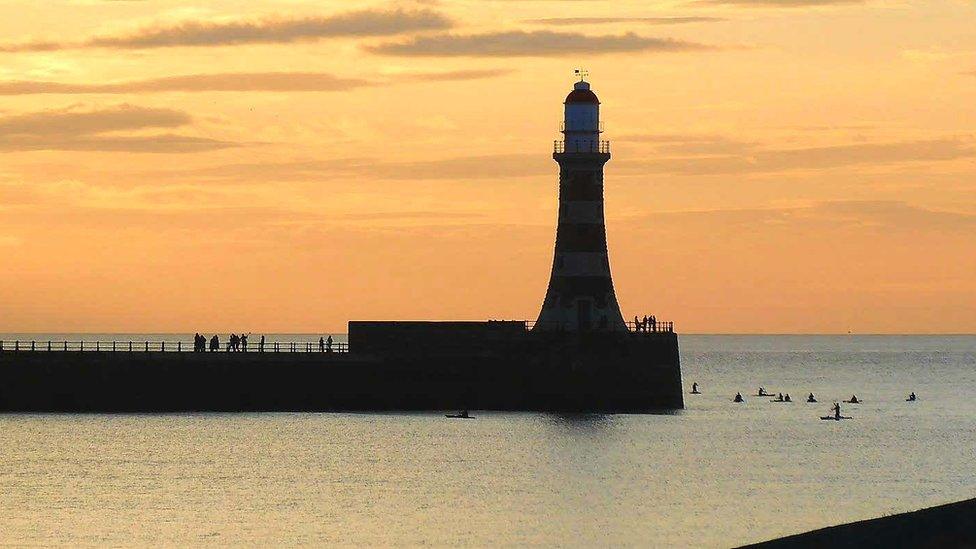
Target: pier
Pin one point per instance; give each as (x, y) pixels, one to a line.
(581, 354)
(180, 346)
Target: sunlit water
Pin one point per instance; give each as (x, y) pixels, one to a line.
(716, 474)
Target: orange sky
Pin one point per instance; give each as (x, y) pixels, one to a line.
(779, 165)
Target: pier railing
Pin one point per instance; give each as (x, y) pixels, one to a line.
(585, 146)
(170, 346)
(180, 346)
(639, 327)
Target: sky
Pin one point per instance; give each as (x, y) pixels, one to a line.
(779, 166)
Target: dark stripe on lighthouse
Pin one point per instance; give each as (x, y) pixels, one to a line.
(577, 237)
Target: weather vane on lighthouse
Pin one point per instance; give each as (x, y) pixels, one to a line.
(582, 74)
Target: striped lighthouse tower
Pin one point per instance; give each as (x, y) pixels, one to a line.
(580, 297)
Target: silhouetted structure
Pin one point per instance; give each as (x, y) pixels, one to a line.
(580, 296)
(943, 526)
(579, 356)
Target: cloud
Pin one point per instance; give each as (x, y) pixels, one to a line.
(887, 215)
(534, 43)
(470, 74)
(224, 82)
(72, 122)
(810, 158)
(779, 3)
(690, 145)
(260, 81)
(166, 143)
(263, 31)
(496, 166)
(94, 130)
(567, 21)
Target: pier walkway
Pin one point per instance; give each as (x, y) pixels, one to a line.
(132, 346)
(180, 346)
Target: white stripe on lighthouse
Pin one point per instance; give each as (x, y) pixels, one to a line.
(581, 264)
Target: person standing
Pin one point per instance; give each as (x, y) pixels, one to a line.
(261, 344)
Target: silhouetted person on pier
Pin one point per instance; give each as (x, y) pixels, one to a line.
(196, 342)
(328, 345)
(653, 321)
(261, 345)
(215, 343)
(738, 398)
(321, 344)
(244, 342)
(233, 343)
(811, 398)
(694, 389)
(637, 324)
(911, 397)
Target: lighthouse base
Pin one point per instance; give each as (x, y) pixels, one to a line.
(390, 366)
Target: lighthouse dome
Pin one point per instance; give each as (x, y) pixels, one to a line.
(582, 94)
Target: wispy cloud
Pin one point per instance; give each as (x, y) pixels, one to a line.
(755, 160)
(225, 82)
(469, 74)
(264, 31)
(94, 130)
(692, 144)
(530, 43)
(568, 21)
(497, 166)
(69, 122)
(778, 3)
(263, 81)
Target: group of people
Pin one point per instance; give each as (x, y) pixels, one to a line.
(646, 324)
(234, 343)
(780, 397)
(239, 343)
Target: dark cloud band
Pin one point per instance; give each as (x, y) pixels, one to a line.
(242, 82)
(535, 43)
(265, 31)
(95, 130)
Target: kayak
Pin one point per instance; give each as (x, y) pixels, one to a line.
(853, 402)
(836, 418)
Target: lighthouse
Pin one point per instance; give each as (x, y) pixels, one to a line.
(580, 297)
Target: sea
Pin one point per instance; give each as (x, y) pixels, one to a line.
(716, 474)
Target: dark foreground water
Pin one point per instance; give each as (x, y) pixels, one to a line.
(716, 474)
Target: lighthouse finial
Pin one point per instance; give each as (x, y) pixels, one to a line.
(582, 74)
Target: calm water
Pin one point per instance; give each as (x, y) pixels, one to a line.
(716, 474)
